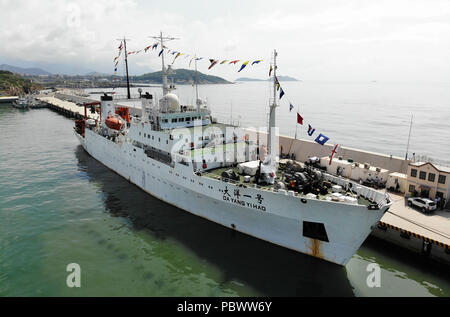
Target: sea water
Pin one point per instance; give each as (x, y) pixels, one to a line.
(60, 206)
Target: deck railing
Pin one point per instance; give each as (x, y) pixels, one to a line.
(370, 194)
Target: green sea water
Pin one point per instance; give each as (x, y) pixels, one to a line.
(60, 206)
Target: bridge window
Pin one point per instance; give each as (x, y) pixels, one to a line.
(181, 120)
(174, 120)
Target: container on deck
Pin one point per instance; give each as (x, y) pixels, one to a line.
(336, 189)
(248, 168)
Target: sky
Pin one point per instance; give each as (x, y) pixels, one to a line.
(351, 40)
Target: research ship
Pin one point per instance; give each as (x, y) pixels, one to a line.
(183, 156)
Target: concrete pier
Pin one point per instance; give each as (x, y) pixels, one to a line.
(68, 109)
(426, 234)
(8, 99)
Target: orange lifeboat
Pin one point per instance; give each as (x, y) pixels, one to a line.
(114, 123)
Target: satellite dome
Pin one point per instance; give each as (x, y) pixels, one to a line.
(170, 102)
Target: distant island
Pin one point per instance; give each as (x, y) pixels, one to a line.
(280, 78)
(182, 76)
(14, 85)
(17, 80)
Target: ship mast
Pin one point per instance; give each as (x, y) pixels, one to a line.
(196, 85)
(273, 106)
(165, 71)
(126, 67)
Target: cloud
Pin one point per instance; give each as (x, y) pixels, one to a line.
(315, 40)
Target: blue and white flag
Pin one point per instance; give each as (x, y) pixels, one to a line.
(322, 139)
(311, 130)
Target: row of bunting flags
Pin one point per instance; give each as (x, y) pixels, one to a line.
(319, 138)
(213, 62)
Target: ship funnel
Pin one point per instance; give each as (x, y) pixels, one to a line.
(108, 108)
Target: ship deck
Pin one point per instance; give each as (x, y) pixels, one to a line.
(217, 174)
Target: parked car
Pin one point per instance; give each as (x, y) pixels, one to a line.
(424, 204)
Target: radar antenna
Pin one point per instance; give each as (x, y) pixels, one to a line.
(165, 71)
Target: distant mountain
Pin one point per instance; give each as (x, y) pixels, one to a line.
(182, 76)
(24, 71)
(280, 78)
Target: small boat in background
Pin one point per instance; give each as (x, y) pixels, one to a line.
(21, 103)
(27, 102)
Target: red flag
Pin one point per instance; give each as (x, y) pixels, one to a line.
(332, 153)
(299, 119)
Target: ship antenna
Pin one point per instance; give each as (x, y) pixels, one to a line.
(273, 106)
(126, 65)
(295, 138)
(231, 113)
(165, 72)
(196, 85)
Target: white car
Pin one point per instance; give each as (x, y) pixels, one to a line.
(424, 204)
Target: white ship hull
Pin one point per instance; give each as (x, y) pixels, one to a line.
(273, 216)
